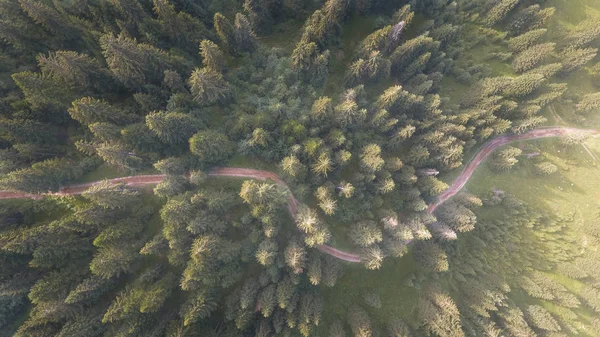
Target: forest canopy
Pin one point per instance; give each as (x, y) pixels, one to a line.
(272, 151)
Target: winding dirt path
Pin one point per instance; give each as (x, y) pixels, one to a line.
(457, 185)
(492, 145)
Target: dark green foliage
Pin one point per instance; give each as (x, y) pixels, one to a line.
(88, 110)
(574, 58)
(359, 322)
(505, 159)
(226, 32)
(110, 195)
(171, 186)
(113, 261)
(212, 57)
(48, 175)
(211, 147)
(530, 19)
(589, 103)
(41, 94)
(438, 314)
(431, 256)
(307, 60)
(526, 40)
(180, 28)
(47, 17)
(245, 38)
(365, 234)
(89, 290)
(531, 57)
(18, 131)
(208, 86)
(134, 64)
(119, 156)
(183, 86)
(540, 318)
(197, 307)
(499, 11)
(78, 72)
(172, 127)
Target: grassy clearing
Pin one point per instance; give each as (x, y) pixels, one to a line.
(398, 300)
(103, 171)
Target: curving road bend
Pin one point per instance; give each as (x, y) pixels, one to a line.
(492, 145)
(455, 187)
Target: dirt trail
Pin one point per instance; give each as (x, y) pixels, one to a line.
(492, 145)
(457, 185)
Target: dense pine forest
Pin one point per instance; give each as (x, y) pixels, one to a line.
(353, 118)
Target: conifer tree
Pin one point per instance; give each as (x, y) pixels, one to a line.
(589, 103)
(526, 40)
(359, 322)
(267, 300)
(499, 11)
(180, 27)
(584, 34)
(134, 64)
(266, 252)
(295, 257)
(315, 269)
(76, 71)
(336, 329)
(323, 165)
(505, 159)
(48, 175)
(407, 53)
(88, 110)
(111, 195)
(49, 18)
(132, 10)
(286, 294)
(207, 86)
(119, 156)
(113, 261)
(18, 131)
(226, 33)
(515, 323)
(524, 85)
(365, 233)
(431, 256)
(245, 39)
(531, 57)
(545, 168)
(291, 166)
(172, 127)
(372, 257)
(43, 95)
(212, 57)
(307, 60)
(331, 271)
(573, 58)
(529, 19)
(438, 314)
(379, 40)
(198, 306)
(211, 147)
(370, 157)
(541, 318)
